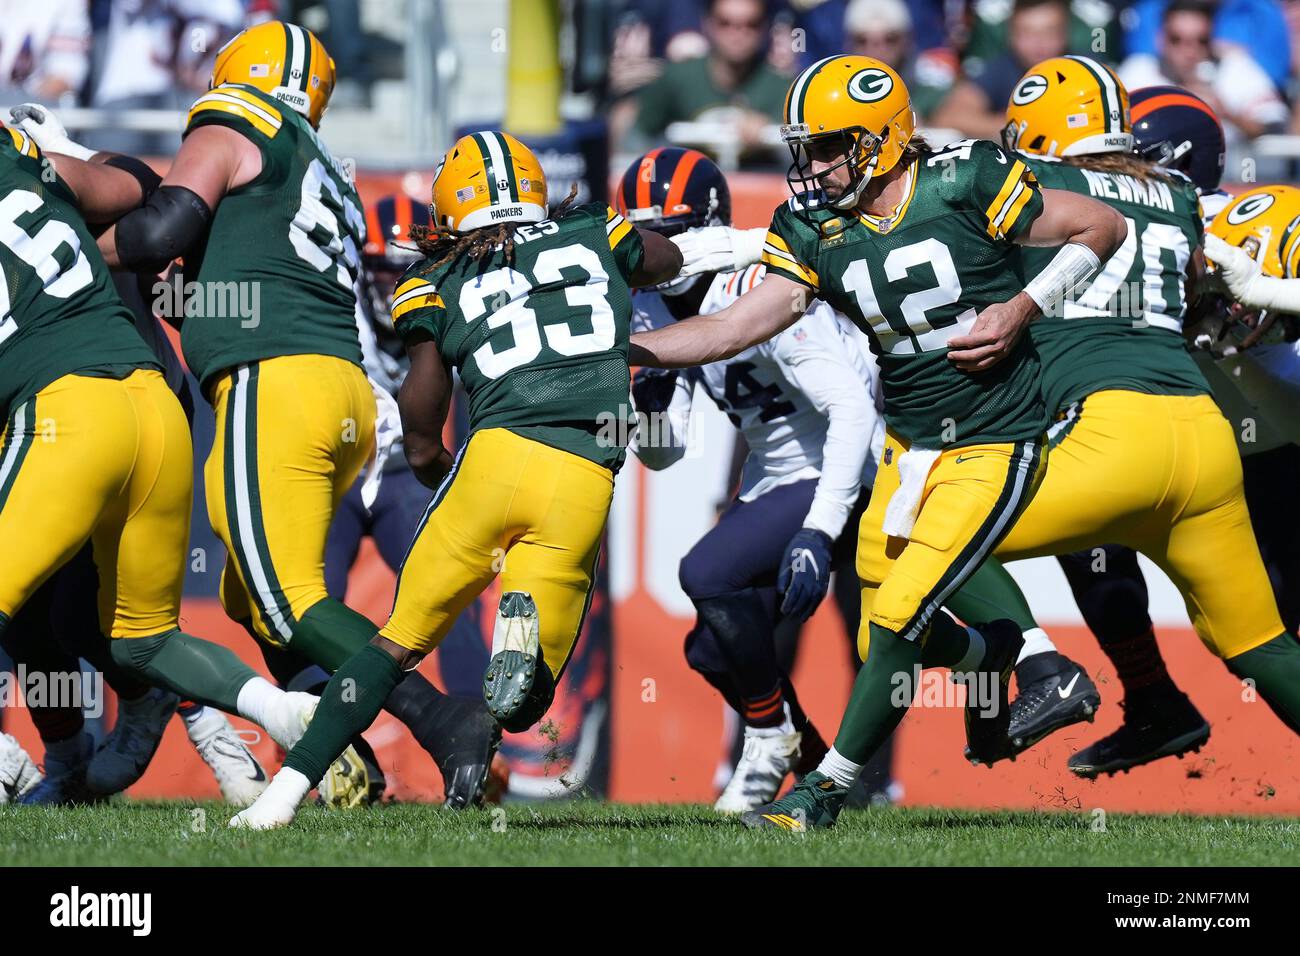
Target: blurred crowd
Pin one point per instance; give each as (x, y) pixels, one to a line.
(683, 69)
(148, 54)
(706, 73)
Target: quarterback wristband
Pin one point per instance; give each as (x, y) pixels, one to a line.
(1064, 275)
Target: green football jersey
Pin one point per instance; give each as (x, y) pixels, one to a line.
(540, 342)
(59, 311)
(277, 272)
(1124, 330)
(916, 281)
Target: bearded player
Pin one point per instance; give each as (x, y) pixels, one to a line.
(921, 250)
(532, 308)
(254, 201)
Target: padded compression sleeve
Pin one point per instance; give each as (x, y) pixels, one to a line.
(170, 222)
(144, 175)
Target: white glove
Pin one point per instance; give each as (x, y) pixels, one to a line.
(1246, 281)
(46, 131)
(719, 249)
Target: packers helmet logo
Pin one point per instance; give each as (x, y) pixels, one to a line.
(870, 85)
(1029, 89)
(1248, 209)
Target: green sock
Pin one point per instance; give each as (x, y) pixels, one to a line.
(945, 644)
(881, 694)
(991, 593)
(190, 666)
(348, 705)
(1275, 669)
(330, 632)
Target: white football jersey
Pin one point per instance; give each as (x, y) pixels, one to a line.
(807, 402)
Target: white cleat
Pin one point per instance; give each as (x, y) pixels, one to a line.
(277, 805)
(768, 755)
(292, 714)
(18, 774)
(346, 784)
(126, 752)
(225, 750)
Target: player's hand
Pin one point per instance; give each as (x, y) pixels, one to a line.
(805, 573)
(1234, 266)
(994, 334)
(652, 389)
(719, 249)
(46, 130)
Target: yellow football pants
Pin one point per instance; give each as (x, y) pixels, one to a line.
(293, 433)
(514, 507)
(971, 499)
(1159, 474)
(107, 461)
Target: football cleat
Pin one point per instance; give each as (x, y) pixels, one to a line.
(65, 774)
(814, 803)
(1053, 692)
(466, 752)
(289, 720)
(1160, 722)
(988, 708)
(125, 754)
(518, 686)
(18, 774)
(768, 755)
(346, 784)
(225, 750)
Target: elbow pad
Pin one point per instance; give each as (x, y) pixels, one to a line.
(167, 226)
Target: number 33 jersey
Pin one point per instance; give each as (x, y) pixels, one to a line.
(915, 281)
(541, 340)
(278, 270)
(59, 311)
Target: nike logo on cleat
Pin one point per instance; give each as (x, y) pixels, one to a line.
(1068, 688)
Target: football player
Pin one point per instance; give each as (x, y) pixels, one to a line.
(90, 419)
(921, 249)
(1141, 454)
(255, 202)
(804, 403)
(532, 307)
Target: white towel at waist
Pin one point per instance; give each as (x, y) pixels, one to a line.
(388, 429)
(905, 503)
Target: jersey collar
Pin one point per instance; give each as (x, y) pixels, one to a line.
(885, 224)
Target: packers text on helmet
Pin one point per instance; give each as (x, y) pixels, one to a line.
(283, 60)
(1068, 106)
(487, 178)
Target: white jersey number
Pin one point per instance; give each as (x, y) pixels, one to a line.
(509, 290)
(38, 251)
(316, 232)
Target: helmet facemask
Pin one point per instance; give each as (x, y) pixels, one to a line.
(861, 150)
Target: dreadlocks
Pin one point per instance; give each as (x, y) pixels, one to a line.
(440, 245)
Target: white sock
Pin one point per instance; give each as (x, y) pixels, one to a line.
(839, 768)
(975, 652)
(256, 699)
(288, 786)
(1036, 642)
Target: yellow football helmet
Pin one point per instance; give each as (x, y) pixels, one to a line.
(486, 178)
(857, 100)
(1265, 222)
(1068, 106)
(280, 59)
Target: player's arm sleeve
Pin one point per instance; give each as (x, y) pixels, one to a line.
(661, 434)
(624, 242)
(820, 369)
(418, 310)
(1004, 190)
(786, 252)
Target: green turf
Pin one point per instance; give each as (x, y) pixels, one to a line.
(186, 834)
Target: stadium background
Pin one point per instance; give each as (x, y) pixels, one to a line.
(633, 722)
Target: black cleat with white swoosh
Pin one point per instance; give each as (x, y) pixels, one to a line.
(1052, 692)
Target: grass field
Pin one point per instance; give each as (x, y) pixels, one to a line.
(582, 833)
